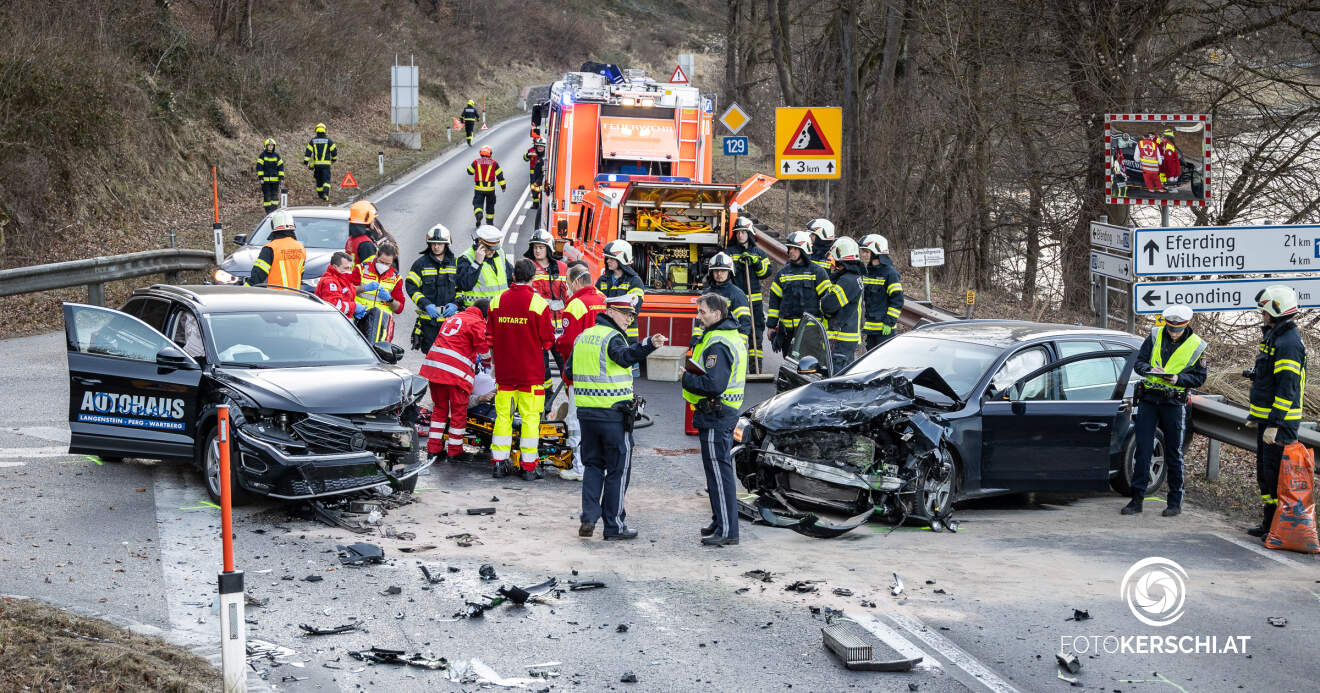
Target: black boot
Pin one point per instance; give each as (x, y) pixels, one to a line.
(1133, 507)
(1267, 514)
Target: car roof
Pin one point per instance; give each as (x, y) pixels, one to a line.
(319, 212)
(216, 298)
(1009, 332)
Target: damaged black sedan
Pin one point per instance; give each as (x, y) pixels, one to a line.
(316, 409)
(944, 412)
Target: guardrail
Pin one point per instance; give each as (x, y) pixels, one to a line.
(96, 271)
(1219, 421)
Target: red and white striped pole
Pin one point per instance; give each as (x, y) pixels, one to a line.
(233, 635)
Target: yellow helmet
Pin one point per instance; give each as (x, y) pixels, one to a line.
(270, 142)
(470, 102)
(320, 128)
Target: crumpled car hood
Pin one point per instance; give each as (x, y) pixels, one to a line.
(847, 400)
(322, 389)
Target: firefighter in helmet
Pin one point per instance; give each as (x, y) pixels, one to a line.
(485, 172)
(822, 232)
(841, 305)
(883, 297)
(320, 153)
(796, 291)
(432, 284)
(281, 260)
(620, 278)
(270, 172)
(469, 116)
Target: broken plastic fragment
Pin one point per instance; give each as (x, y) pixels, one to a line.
(801, 586)
(1080, 615)
(1277, 621)
(430, 578)
(361, 553)
(810, 525)
(843, 591)
(481, 511)
(896, 588)
(333, 630)
(487, 572)
(377, 655)
(758, 574)
(1069, 661)
(585, 585)
(628, 677)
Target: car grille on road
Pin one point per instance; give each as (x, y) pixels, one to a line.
(330, 434)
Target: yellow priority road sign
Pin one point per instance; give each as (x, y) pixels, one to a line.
(808, 142)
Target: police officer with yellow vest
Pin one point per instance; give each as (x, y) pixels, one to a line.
(1169, 362)
(601, 368)
(1278, 384)
(281, 260)
(482, 270)
(714, 384)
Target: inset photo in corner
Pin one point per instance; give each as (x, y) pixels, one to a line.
(1157, 159)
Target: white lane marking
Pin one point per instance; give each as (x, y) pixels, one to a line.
(3, 465)
(1260, 550)
(441, 161)
(894, 640)
(504, 232)
(521, 219)
(16, 453)
(190, 555)
(956, 655)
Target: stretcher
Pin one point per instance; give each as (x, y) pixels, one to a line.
(553, 444)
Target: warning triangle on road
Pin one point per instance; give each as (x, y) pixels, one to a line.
(483, 127)
(808, 138)
(679, 76)
(349, 181)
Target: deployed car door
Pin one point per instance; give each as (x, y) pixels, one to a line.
(809, 342)
(132, 392)
(1055, 427)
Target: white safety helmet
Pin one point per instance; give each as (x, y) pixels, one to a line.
(800, 240)
(489, 234)
(745, 224)
(1177, 316)
(822, 229)
(281, 220)
(844, 248)
(439, 234)
(721, 261)
(875, 243)
(543, 237)
(619, 250)
(1277, 301)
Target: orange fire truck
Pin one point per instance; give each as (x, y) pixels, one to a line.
(630, 158)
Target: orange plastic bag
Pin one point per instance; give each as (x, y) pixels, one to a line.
(1294, 522)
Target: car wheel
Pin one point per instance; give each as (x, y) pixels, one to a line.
(936, 495)
(1122, 481)
(211, 472)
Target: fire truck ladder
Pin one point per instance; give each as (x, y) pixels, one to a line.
(689, 134)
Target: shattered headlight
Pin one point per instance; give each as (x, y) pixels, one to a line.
(740, 429)
(838, 448)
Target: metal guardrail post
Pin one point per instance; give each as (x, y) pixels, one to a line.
(1212, 460)
(96, 294)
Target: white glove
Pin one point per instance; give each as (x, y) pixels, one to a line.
(1270, 434)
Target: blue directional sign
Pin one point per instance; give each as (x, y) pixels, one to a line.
(735, 146)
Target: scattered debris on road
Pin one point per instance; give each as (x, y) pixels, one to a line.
(522, 595)
(487, 572)
(260, 649)
(843, 592)
(802, 586)
(896, 588)
(1079, 615)
(758, 574)
(333, 630)
(377, 655)
(360, 553)
(313, 578)
(628, 677)
(430, 578)
(393, 533)
(464, 540)
(1277, 621)
(852, 645)
(392, 590)
(1069, 661)
(481, 511)
(417, 549)
(575, 586)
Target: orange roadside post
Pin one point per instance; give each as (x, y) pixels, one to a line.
(233, 633)
(216, 230)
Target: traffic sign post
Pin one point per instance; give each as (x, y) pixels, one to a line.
(927, 258)
(1112, 266)
(1227, 250)
(808, 143)
(735, 147)
(1219, 295)
(1111, 237)
(1107, 267)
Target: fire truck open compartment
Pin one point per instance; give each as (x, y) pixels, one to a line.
(675, 229)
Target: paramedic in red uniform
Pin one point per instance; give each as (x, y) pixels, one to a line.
(1148, 155)
(337, 288)
(450, 367)
(520, 333)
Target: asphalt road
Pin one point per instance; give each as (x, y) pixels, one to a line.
(986, 608)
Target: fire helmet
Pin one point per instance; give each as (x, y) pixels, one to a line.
(619, 250)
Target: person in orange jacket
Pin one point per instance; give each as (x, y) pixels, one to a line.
(520, 333)
(450, 367)
(580, 314)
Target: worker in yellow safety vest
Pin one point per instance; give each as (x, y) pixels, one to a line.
(281, 260)
(482, 270)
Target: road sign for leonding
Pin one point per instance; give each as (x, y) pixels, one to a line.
(1112, 237)
(1113, 266)
(1221, 295)
(926, 257)
(1227, 250)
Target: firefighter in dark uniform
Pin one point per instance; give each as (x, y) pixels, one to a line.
(719, 273)
(619, 278)
(270, 171)
(1169, 363)
(470, 117)
(713, 384)
(1278, 384)
(750, 266)
(485, 172)
(796, 291)
(841, 305)
(535, 158)
(601, 368)
(432, 285)
(822, 231)
(883, 297)
(321, 152)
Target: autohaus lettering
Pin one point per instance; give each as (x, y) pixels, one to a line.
(132, 405)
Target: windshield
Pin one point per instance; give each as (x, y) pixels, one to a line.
(312, 232)
(961, 364)
(288, 339)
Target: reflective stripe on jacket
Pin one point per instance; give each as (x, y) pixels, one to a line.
(1180, 360)
(485, 174)
(599, 382)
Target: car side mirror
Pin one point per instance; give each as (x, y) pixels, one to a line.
(173, 358)
(390, 353)
(808, 365)
(240, 239)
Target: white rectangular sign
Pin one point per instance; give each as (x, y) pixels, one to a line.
(1221, 295)
(1112, 237)
(808, 167)
(403, 95)
(1227, 250)
(1113, 266)
(927, 257)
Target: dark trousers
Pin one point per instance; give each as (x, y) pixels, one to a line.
(875, 339)
(755, 352)
(607, 461)
(270, 196)
(1268, 459)
(483, 206)
(468, 125)
(842, 354)
(1171, 419)
(721, 486)
(322, 176)
(424, 333)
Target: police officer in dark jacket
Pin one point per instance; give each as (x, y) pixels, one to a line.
(432, 285)
(713, 384)
(1278, 384)
(842, 304)
(719, 273)
(1169, 363)
(883, 295)
(796, 291)
(270, 171)
(750, 266)
(601, 368)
